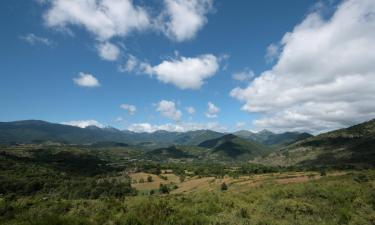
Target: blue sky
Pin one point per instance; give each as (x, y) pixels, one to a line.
(143, 67)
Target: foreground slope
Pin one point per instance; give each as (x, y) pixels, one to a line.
(353, 145)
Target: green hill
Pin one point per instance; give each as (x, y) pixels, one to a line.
(172, 152)
(351, 146)
(231, 147)
(272, 139)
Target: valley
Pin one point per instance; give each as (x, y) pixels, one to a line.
(198, 177)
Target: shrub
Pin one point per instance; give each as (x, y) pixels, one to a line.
(182, 178)
(224, 186)
(164, 189)
(361, 178)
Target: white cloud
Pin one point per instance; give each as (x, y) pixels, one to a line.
(33, 39)
(240, 125)
(168, 109)
(184, 18)
(131, 65)
(244, 75)
(180, 127)
(183, 72)
(108, 51)
(212, 110)
(86, 80)
(103, 18)
(180, 20)
(190, 110)
(130, 108)
(325, 75)
(84, 123)
(273, 51)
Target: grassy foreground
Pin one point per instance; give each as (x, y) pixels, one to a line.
(347, 199)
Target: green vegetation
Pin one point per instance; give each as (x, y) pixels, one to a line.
(65, 174)
(353, 146)
(332, 200)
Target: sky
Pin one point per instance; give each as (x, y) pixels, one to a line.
(181, 65)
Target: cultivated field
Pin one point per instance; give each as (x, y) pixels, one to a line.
(239, 184)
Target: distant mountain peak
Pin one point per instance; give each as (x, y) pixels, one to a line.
(265, 131)
(93, 127)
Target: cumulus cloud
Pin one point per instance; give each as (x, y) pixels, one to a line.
(212, 110)
(184, 18)
(325, 74)
(245, 75)
(103, 18)
(108, 51)
(106, 20)
(183, 72)
(190, 110)
(84, 123)
(168, 109)
(33, 39)
(180, 20)
(86, 80)
(181, 127)
(131, 109)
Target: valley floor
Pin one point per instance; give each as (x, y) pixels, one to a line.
(78, 185)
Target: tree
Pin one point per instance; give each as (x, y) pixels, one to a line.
(224, 186)
(149, 179)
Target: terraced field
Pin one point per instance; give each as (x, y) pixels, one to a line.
(239, 184)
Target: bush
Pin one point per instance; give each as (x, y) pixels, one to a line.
(361, 178)
(164, 189)
(224, 186)
(182, 178)
(149, 179)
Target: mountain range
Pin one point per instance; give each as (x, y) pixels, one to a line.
(36, 131)
(353, 145)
